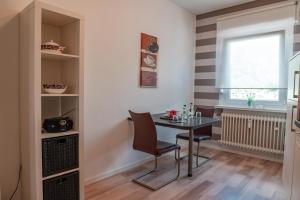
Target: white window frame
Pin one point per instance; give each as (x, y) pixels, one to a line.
(226, 100)
(225, 93)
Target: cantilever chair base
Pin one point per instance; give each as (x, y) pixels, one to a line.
(197, 163)
(137, 180)
(202, 163)
(197, 156)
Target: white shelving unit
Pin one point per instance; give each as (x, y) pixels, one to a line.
(39, 23)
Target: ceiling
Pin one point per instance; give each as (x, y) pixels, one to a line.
(203, 6)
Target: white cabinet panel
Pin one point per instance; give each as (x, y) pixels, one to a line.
(296, 174)
(289, 147)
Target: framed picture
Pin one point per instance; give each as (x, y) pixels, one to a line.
(148, 64)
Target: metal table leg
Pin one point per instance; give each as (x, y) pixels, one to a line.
(190, 161)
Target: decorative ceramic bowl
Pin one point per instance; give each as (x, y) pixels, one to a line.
(52, 47)
(55, 88)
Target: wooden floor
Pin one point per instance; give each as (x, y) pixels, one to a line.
(225, 177)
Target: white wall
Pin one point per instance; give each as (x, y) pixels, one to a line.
(9, 85)
(112, 50)
(9, 129)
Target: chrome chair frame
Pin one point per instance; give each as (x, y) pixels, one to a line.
(137, 181)
(197, 156)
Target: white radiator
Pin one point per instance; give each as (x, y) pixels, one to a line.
(254, 131)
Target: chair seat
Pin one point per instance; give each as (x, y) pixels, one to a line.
(197, 138)
(165, 147)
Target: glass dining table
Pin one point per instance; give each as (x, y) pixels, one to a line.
(189, 125)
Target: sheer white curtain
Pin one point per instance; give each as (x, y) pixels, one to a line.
(277, 19)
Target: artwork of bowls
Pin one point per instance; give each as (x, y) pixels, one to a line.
(54, 88)
(153, 46)
(52, 47)
(150, 61)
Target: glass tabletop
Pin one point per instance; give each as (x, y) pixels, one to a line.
(193, 123)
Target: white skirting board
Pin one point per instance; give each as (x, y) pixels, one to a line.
(261, 155)
(118, 170)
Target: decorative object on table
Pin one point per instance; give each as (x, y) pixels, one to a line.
(250, 99)
(52, 47)
(171, 113)
(172, 116)
(184, 114)
(191, 111)
(148, 65)
(174, 119)
(54, 88)
(198, 114)
(58, 125)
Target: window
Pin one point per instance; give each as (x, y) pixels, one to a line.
(255, 67)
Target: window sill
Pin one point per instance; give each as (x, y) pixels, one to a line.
(264, 109)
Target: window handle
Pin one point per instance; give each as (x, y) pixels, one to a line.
(294, 89)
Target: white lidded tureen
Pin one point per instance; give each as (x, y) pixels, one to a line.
(52, 47)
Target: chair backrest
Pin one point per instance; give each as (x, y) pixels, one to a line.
(205, 112)
(145, 135)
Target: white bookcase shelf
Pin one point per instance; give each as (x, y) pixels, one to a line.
(60, 95)
(40, 23)
(52, 135)
(60, 174)
(57, 56)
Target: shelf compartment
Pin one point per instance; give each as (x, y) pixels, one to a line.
(56, 19)
(62, 29)
(61, 72)
(57, 56)
(57, 106)
(60, 154)
(62, 187)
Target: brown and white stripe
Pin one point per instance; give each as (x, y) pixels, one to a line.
(206, 95)
(205, 92)
(297, 38)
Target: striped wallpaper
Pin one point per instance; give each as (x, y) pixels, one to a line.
(206, 95)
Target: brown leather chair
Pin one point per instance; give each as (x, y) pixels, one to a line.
(201, 134)
(145, 140)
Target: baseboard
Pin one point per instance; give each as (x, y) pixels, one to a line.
(118, 170)
(124, 168)
(265, 156)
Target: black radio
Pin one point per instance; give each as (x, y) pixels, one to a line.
(57, 124)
